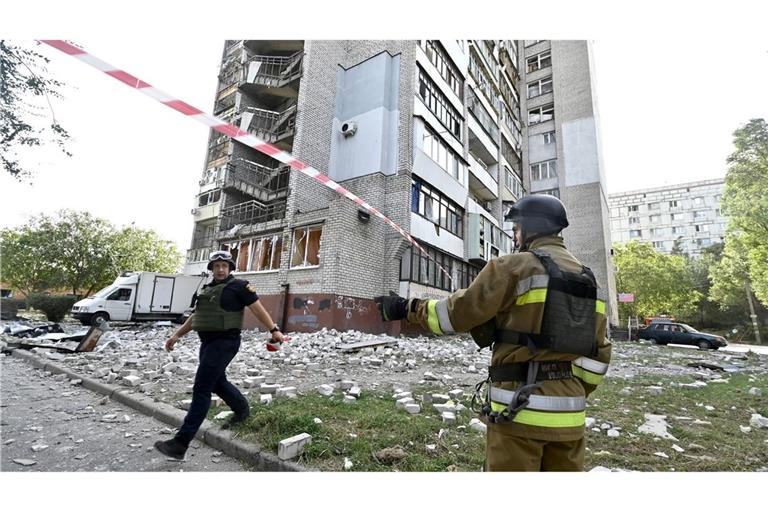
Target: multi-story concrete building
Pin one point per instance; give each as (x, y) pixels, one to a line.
(428, 132)
(686, 216)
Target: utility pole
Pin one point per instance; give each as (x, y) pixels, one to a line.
(752, 314)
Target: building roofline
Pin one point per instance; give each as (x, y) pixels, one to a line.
(667, 187)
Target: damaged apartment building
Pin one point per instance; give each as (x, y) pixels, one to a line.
(440, 136)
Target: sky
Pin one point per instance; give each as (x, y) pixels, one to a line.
(668, 103)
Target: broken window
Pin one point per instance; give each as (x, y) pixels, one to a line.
(209, 197)
(242, 257)
(267, 252)
(306, 247)
(541, 114)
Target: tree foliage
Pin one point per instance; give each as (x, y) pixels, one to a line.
(745, 203)
(80, 253)
(23, 84)
(662, 284)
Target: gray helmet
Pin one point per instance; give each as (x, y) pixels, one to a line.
(538, 214)
(221, 256)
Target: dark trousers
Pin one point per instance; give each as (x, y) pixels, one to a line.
(215, 356)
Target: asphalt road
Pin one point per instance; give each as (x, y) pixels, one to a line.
(50, 424)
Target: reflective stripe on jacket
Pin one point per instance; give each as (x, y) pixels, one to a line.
(510, 292)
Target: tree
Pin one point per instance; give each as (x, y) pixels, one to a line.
(23, 261)
(23, 76)
(80, 253)
(745, 203)
(662, 284)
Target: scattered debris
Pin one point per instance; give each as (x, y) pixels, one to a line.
(758, 421)
(347, 464)
(25, 462)
(656, 425)
(292, 447)
(387, 455)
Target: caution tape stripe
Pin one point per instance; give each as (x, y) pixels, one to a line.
(230, 130)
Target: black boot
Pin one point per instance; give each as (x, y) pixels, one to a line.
(235, 420)
(171, 448)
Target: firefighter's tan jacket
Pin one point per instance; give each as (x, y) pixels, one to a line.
(511, 292)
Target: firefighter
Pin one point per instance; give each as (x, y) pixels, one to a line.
(218, 318)
(540, 311)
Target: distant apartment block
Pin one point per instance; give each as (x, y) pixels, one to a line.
(686, 216)
(441, 136)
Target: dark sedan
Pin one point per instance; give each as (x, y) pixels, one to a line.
(663, 333)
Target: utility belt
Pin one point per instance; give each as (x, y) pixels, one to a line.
(503, 405)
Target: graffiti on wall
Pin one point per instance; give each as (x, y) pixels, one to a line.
(350, 305)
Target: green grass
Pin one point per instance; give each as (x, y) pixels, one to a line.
(376, 423)
(724, 446)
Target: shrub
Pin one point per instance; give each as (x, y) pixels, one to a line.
(8, 309)
(55, 307)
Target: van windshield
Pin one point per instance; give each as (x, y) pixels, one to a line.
(104, 292)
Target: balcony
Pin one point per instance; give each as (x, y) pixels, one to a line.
(272, 126)
(274, 75)
(251, 212)
(482, 181)
(258, 181)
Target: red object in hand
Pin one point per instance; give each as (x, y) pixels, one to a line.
(274, 346)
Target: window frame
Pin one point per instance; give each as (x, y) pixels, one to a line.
(437, 103)
(540, 112)
(539, 57)
(539, 87)
(551, 170)
(428, 203)
(308, 229)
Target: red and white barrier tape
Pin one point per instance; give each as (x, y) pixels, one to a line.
(231, 130)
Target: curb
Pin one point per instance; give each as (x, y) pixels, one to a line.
(209, 433)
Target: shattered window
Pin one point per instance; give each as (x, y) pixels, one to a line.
(306, 247)
(266, 253)
(242, 259)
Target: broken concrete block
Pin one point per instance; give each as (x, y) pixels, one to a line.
(25, 462)
(184, 404)
(440, 399)
(431, 448)
(285, 391)
(662, 455)
(448, 417)
(402, 394)
(265, 399)
(349, 399)
(441, 408)
(347, 464)
(589, 422)
(605, 426)
(253, 372)
(268, 388)
(346, 384)
(613, 433)
(476, 424)
(355, 391)
(677, 448)
(223, 415)
(325, 389)
(756, 391)
(293, 446)
(412, 408)
(400, 404)
(131, 380)
(656, 425)
(455, 394)
(430, 376)
(758, 421)
(39, 447)
(146, 387)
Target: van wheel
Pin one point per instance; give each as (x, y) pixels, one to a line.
(99, 318)
(704, 345)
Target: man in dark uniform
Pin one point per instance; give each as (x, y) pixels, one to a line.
(218, 318)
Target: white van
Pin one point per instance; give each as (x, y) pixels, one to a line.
(139, 296)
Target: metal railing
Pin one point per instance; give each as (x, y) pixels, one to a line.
(251, 212)
(275, 71)
(257, 180)
(272, 125)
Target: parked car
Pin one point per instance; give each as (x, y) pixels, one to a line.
(663, 333)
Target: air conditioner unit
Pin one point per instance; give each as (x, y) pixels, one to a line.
(348, 128)
(194, 211)
(201, 182)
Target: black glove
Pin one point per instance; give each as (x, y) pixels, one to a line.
(392, 307)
